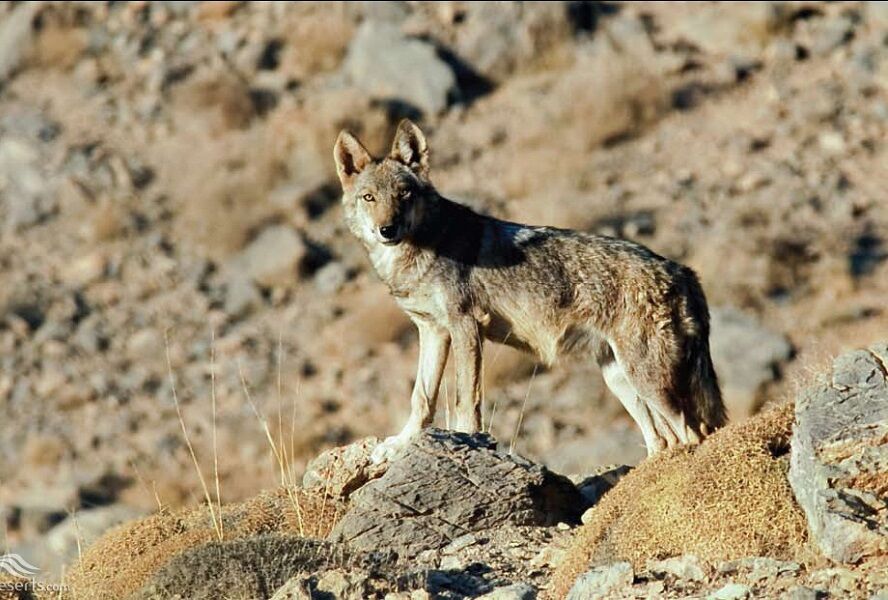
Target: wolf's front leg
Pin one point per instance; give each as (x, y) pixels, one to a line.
(467, 344)
(434, 344)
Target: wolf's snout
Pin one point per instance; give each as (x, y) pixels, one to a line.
(389, 232)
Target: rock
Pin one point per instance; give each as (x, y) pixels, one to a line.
(731, 591)
(746, 356)
(388, 65)
(446, 484)
(833, 33)
(497, 39)
(26, 192)
(145, 345)
(241, 295)
(747, 31)
(759, 567)
(340, 583)
(839, 456)
(602, 582)
(273, 258)
(516, 591)
(801, 592)
(685, 568)
(331, 277)
(340, 471)
(16, 33)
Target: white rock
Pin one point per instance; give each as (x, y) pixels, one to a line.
(731, 591)
(386, 64)
(602, 582)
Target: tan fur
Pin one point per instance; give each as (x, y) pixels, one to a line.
(464, 277)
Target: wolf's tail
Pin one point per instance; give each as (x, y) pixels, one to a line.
(705, 393)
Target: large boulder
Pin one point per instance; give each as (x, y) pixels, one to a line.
(446, 484)
(386, 64)
(839, 459)
(747, 357)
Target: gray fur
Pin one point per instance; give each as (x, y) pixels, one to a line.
(463, 277)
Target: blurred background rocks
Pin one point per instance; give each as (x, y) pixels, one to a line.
(167, 194)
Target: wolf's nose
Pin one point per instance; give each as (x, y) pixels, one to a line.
(388, 231)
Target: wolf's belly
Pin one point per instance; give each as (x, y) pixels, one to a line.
(546, 339)
(534, 336)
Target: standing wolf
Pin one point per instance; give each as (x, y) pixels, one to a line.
(463, 277)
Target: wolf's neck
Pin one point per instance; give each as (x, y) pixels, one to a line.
(405, 264)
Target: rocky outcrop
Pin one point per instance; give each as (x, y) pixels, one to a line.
(342, 470)
(447, 484)
(839, 457)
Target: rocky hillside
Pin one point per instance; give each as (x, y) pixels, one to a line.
(172, 253)
(790, 503)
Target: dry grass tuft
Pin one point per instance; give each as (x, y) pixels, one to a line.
(724, 499)
(121, 561)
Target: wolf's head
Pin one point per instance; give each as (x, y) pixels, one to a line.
(383, 199)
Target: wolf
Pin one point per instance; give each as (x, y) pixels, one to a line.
(463, 277)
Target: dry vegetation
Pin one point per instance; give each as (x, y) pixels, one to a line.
(126, 557)
(726, 499)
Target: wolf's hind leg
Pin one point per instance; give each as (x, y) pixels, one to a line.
(618, 383)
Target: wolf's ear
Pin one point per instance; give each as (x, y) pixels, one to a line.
(350, 156)
(411, 149)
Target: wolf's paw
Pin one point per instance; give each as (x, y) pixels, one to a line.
(386, 451)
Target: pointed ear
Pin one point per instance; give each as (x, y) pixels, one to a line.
(411, 149)
(350, 156)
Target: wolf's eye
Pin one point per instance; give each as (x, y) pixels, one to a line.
(368, 197)
(406, 193)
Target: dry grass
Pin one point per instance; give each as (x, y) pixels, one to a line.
(125, 558)
(724, 499)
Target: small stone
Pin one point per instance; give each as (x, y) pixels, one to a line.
(548, 557)
(85, 270)
(801, 592)
(731, 591)
(241, 296)
(331, 277)
(463, 541)
(145, 344)
(451, 563)
(602, 582)
(516, 591)
(273, 258)
(759, 567)
(832, 142)
(340, 471)
(686, 568)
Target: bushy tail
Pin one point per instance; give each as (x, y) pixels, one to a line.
(705, 391)
(703, 382)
